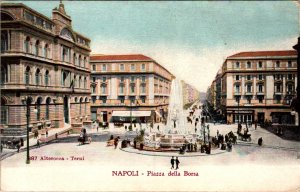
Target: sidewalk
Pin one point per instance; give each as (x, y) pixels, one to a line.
(33, 141)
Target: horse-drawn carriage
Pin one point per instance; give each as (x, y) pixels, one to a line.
(244, 137)
(12, 144)
(84, 139)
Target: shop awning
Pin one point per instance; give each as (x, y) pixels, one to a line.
(134, 113)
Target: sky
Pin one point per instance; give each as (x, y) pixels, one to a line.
(191, 39)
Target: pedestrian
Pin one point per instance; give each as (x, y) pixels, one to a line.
(97, 127)
(217, 133)
(255, 124)
(46, 132)
(116, 142)
(260, 141)
(177, 163)
(38, 143)
(195, 130)
(158, 127)
(1, 147)
(18, 147)
(125, 127)
(172, 162)
(56, 136)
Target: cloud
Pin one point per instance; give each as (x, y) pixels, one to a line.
(197, 67)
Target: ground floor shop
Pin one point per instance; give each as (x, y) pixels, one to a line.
(124, 114)
(250, 115)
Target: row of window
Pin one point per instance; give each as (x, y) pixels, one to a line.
(38, 77)
(277, 99)
(250, 65)
(37, 21)
(121, 79)
(35, 49)
(78, 60)
(278, 88)
(262, 77)
(121, 89)
(104, 67)
(132, 99)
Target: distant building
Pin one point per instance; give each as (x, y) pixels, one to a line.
(45, 61)
(190, 93)
(258, 86)
(129, 85)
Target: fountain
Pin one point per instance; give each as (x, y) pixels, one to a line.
(175, 134)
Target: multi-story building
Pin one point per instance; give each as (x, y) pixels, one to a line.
(259, 86)
(124, 85)
(190, 93)
(44, 64)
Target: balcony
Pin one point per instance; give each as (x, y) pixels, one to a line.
(237, 93)
(277, 80)
(260, 93)
(121, 93)
(260, 80)
(278, 93)
(290, 80)
(248, 93)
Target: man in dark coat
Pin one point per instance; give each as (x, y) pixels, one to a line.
(177, 163)
(172, 162)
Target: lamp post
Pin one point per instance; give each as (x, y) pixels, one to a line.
(28, 101)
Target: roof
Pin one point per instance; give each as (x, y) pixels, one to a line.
(265, 54)
(133, 57)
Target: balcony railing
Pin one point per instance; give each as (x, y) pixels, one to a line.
(249, 93)
(237, 93)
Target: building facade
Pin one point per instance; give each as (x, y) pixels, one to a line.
(129, 85)
(259, 86)
(190, 93)
(44, 64)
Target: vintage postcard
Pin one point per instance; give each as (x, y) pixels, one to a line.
(150, 96)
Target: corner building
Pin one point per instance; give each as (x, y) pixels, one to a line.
(129, 85)
(259, 86)
(45, 61)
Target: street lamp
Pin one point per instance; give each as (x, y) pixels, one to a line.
(27, 101)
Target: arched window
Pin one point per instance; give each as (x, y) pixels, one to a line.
(79, 84)
(37, 77)
(37, 45)
(3, 74)
(38, 107)
(80, 106)
(27, 75)
(84, 83)
(64, 78)
(74, 59)
(6, 17)
(84, 61)
(79, 60)
(4, 112)
(46, 51)
(47, 114)
(66, 33)
(47, 78)
(4, 41)
(27, 45)
(85, 106)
